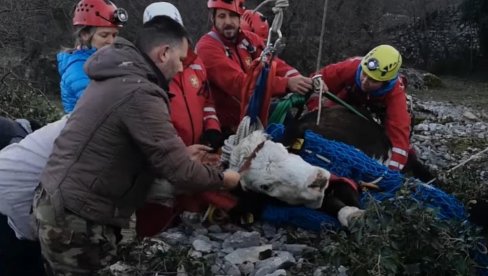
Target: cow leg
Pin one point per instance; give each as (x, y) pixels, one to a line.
(342, 201)
(477, 210)
(416, 168)
(344, 213)
(347, 194)
(349, 213)
(332, 205)
(250, 203)
(339, 195)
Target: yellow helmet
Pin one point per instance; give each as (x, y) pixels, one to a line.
(382, 63)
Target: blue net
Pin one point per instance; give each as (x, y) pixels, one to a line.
(299, 217)
(447, 205)
(344, 160)
(347, 161)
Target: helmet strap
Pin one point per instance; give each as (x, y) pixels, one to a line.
(102, 17)
(382, 91)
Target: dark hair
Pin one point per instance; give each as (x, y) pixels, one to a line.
(160, 30)
(34, 124)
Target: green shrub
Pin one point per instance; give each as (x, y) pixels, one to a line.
(19, 99)
(402, 237)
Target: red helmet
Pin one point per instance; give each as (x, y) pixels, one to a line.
(99, 13)
(236, 6)
(255, 22)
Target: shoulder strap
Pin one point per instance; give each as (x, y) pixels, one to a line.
(244, 44)
(215, 36)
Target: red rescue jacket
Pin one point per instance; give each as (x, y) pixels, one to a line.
(340, 78)
(191, 103)
(227, 64)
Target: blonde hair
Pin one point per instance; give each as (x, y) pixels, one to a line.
(79, 42)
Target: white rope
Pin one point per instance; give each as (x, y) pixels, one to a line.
(280, 5)
(243, 130)
(461, 164)
(318, 87)
(275, 28)
(376, 181)
(467, 160)
(278, 8)
(262, 4)
(322, 32)
(321, 157)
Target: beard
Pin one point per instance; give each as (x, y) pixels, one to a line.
(229, 32)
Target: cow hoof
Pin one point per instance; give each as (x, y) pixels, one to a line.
(349, 213)
(477, 211)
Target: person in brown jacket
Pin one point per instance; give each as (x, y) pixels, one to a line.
(117, 141)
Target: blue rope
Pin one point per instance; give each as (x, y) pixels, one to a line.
(256, 101)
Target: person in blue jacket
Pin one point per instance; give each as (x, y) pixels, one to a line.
(97, 24)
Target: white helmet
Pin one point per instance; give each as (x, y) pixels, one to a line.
(161, 8)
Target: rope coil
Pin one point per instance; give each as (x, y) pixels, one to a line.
(245, 128)
(318, 87)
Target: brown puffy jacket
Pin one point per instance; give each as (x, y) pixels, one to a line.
(117, 140)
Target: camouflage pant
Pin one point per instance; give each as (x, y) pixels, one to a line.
(74, 246)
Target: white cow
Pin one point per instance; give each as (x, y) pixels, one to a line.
(267, 167)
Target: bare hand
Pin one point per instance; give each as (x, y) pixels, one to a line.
(212, 159)
(197, 152)
(231, 180)
(300, 84)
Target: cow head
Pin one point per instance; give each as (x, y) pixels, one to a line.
(267, 167)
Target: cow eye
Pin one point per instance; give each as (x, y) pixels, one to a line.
(266, 188)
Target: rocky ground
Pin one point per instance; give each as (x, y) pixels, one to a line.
(452, 126)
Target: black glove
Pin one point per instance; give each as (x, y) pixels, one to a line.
(212, 138)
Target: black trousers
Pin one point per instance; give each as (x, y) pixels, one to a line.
(18, 257)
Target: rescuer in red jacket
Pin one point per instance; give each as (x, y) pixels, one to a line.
(227, 52)
(192, 106)
(373, 81)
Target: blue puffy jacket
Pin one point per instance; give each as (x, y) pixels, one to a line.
(73, 77)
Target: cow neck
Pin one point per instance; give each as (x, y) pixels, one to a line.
(247, 164)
